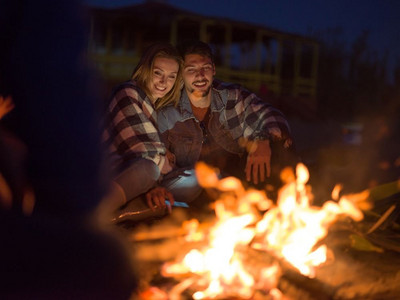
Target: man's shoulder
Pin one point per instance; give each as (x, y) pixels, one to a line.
(169, 112)
(167, 109)
(220, 85)
(167, 116)
(230, 93)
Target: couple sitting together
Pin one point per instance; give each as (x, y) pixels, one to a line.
(174, 113)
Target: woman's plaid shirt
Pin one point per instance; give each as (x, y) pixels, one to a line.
(131, 127)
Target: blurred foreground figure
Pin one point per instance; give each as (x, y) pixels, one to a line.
(56, 251)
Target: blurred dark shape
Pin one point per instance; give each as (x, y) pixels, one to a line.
(13, 175)
(58, 252)
(364, 155)
(353, 79)
(43, 68)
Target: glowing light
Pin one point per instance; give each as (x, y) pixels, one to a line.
(288, 230)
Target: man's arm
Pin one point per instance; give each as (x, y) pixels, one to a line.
(259, 123)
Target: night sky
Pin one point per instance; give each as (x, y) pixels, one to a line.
(380, 17)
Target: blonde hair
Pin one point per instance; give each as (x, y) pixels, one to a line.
(144, 68)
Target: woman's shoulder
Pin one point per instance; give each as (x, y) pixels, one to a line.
(129, 88)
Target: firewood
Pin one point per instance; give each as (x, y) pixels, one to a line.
(382, 219)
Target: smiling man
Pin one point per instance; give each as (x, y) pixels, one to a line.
(224, 124)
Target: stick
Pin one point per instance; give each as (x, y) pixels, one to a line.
(382, 219)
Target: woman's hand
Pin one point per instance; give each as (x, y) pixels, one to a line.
(171, 158)
(169, 163)
(156, 198)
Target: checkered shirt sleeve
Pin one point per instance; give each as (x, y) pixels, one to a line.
(251, 117)
(132, 127)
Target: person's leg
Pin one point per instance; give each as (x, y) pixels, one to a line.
(132, 184)
(183, 184)
(138, 178)
(135, 180)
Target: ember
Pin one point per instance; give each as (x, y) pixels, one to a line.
(249, 222)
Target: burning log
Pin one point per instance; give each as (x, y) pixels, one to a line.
(165, 232)
(353, 274)
(282, 276)
(382, 219)
(258, 250)
(291, 283)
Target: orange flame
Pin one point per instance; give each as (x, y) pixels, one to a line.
(289, 230)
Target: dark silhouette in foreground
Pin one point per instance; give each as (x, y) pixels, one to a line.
(51, 162)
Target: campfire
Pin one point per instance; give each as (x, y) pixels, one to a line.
(254, 241)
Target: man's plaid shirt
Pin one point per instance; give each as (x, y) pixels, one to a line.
(131, 127)
(246, 115)
(235, 113)
(240, 111)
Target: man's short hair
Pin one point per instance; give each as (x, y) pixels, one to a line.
(195, 47)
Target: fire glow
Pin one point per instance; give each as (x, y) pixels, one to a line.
(288, 230)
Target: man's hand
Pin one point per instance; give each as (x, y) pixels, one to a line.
(156, 198)
(259, 161)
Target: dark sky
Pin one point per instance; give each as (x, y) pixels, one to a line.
(380, 17)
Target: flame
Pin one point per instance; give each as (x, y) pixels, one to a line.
(289, 230)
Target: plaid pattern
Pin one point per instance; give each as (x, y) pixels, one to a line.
(131, 126)
(247, 115)
(241, 112)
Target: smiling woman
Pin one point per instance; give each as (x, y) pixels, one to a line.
(136, 151)
(163, 77)
(159, 66)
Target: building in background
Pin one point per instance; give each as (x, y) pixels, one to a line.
(280, 67)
